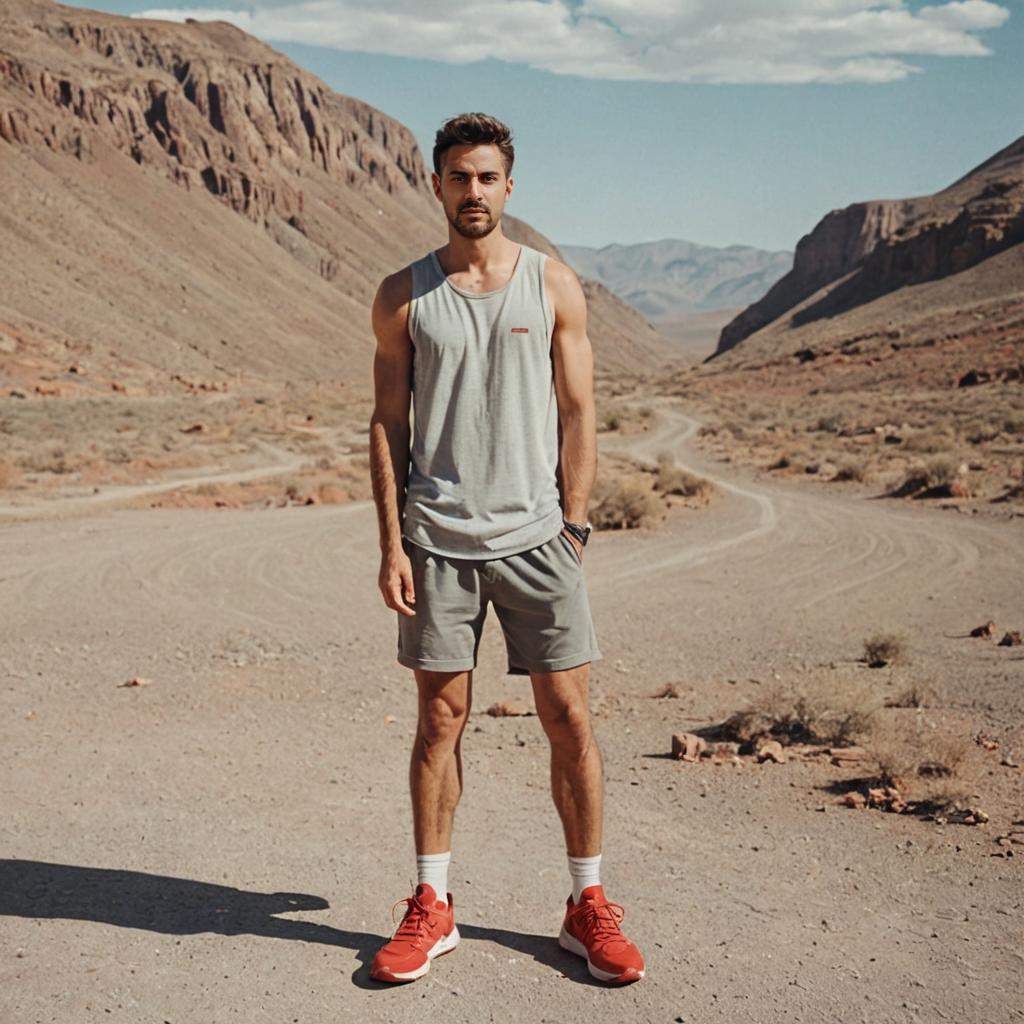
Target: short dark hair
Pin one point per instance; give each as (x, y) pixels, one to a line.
(474, 130)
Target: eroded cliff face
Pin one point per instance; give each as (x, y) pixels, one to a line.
(860, 253)
(206, 103)
(116, 132)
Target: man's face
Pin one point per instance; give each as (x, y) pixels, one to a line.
(473, 189)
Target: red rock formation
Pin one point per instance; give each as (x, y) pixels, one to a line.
(855, 255)
(102, 103)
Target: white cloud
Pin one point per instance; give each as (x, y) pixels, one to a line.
(741, 41)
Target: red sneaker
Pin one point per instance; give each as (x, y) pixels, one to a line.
(591, 930)
(427, 930)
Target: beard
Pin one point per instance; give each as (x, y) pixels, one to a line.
(476, 228)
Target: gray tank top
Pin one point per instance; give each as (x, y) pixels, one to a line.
(484, 451)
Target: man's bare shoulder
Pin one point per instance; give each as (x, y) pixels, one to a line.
(564, 288)
(560, 274)
(395, 291)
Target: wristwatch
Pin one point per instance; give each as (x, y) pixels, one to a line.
(580, 531)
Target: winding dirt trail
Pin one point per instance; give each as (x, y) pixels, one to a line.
(224, 841)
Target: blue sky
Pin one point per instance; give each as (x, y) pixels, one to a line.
(717, 121)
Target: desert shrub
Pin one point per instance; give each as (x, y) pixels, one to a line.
(979, 433)
(623, 503)
(914, 695)
(611, 421)
(850, 469)
(903, 750)
(929, 442)
(832, 423)
(937, 474)
(884, 648)
(673, 479)
(810, 712)
(1014, 423)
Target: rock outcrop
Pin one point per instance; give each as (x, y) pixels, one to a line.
(99, 114)
(856, 255)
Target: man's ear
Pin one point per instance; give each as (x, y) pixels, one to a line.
(436, 182)
(508, 188)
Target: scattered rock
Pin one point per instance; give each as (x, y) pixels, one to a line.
(854, 799)
(958, 489)
(1010, 639)
(47, 389)
(986, 741)
(195, 428)
(116, 385)
(988, 630)
(887, 798)
(1015, 837)
(687, 747)
(769, 750)
(135, 681)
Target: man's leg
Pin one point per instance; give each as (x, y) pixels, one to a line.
(435, 769)
(435, 781)
(577, 771)
(591, 925)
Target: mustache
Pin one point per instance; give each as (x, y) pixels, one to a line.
(473, 206)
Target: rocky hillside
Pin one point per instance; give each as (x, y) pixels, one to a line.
(673, 277)
(858, 256)
(183, 199)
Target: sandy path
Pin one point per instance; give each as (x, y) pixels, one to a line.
(224, 842)
(273, 461)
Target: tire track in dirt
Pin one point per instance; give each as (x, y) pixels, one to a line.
(822, 547)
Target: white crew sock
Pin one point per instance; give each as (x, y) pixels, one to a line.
(585, 871)
(432, 870)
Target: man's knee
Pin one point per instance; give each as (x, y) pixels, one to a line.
(443, 711)
(568, 728)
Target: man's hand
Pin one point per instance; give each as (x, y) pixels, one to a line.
(395, 582)
(575, 543)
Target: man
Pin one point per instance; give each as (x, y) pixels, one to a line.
(488, 340)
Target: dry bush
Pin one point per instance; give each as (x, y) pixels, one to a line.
(982, 431)
(611, 421)
(832, 423)
(929, 442)
(881, 649)
(673, 479)
(623, 498)
(810, 712)
(849, 469)
(904, 750)
(932, 478)
(915, 695)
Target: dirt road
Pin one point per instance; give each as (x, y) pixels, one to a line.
(224, 842)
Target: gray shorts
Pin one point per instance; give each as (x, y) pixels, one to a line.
(539, 596)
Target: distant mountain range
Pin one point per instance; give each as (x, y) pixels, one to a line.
(667, 279)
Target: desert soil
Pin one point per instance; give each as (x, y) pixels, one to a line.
(224, 841)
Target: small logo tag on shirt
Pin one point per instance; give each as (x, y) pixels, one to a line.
(520, 330)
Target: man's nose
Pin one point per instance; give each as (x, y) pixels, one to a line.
(474, 189)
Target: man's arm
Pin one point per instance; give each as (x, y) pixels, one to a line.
(389, 433)
(573, 361)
